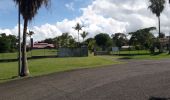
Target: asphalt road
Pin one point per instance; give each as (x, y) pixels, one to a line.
(135, 80)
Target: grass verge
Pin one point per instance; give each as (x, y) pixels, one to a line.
(38, 67)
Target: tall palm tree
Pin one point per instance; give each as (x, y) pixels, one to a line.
(84, 35)
(157, 6)
(78, 27)
(28, 9)
(30, 33)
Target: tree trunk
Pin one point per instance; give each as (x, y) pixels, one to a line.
(159, 26)
(160, 44)
(24, 68)
(78, 36)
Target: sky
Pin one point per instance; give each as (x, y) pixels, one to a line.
(98, 16)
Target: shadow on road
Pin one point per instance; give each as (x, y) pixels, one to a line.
(158, 98)
(3, 79)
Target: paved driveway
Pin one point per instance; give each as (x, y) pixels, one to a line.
(135, 80)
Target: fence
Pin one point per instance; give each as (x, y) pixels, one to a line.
(73, 52)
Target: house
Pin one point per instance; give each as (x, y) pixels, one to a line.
(38, 45)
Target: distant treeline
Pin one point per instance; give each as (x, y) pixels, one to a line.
(8, 43)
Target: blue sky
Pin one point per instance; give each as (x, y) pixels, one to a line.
(99, 16)
(57, 12)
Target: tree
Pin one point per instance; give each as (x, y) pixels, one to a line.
(157, 6)
(91, 44)
(84, 35)
(7, 43)
(78, 27)
(65, 40)
(119, 39)
(30, 33)
(4, 43)
(142, 37)
(103, 40)
(28, 9)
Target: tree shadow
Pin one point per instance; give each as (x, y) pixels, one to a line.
(158, 98)
(5, 79)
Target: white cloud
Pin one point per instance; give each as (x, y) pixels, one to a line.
(70, 6)
(107, 16)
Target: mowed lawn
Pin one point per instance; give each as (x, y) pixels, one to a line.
(35, 52)
(8, 71)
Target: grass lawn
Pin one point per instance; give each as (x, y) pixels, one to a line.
(35, 52)
(50, 65)
(148, 57)
(134, 52)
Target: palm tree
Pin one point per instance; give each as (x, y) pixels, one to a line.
(28, 10)
(84, 35)
(30, 33)
(157, 6)
(78, 27)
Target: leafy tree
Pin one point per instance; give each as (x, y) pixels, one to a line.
(49, 40)
(103, 40)
(8, 43)
(65, 40)
(78, 27)
(4, 43)
(162, 35)
(91, 44)
(119, 39)
(28, 10)
(84, 35)
(142, 37)
(13, 45)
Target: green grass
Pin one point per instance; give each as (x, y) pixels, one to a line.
(51, 65)
(150, 57)
(38, 52)
(133, 52)
(141, 54)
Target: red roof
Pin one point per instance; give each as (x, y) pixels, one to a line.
(43, 45)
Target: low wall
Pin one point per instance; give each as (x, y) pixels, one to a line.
(73, 52)
(101, 53)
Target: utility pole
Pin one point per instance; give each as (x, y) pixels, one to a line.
(169, 43)
(19, 39)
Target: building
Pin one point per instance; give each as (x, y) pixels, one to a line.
(38, 45)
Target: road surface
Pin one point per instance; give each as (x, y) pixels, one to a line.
(134, 80)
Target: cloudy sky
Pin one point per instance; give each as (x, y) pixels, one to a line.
(106, 16)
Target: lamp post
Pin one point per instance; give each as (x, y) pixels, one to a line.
(19, 40)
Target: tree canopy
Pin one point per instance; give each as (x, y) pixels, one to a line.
(142, 37)
(119, 39)
(7, 43)
(103, 40)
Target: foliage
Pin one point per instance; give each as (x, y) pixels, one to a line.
(157, 6)
(66, 40)
(84, 35)
(8, 43)
(103, 40)
(119, 39)
(142, 38)
(91, 44)
(49, 41)
(28, 10)
(78, 27)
